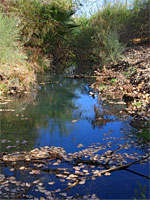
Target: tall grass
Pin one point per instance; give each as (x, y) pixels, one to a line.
(10, 48)
(14, 70)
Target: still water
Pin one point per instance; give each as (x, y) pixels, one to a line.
(60, 112)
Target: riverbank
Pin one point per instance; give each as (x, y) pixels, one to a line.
(129, 81)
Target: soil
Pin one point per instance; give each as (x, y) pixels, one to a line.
(129, 81)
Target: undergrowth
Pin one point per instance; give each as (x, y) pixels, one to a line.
(15, 75)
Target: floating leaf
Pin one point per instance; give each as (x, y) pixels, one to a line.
(51, 183)
(82, 182)
(107, 174)
(80, 145)
(22, 167)
(73, 121)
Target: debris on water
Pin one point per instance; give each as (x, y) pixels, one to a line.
(2, 177)
(80, 145)
(73, 121)
(86, 164)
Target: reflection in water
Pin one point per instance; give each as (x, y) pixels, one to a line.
(61, 113)
(53, 108)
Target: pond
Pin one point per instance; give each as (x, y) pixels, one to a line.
(61, 113)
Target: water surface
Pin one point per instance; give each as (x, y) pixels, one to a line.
(62, 113)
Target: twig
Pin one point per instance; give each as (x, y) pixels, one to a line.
(129, 170)
(71, 186)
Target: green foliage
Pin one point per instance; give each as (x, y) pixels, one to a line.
(113, 80)
(107, 47)
(42, 22)
(101, 38)
(50, 26)
(96, 42)
(10, 48)
(14, 69)
(131, 70)
(143, 134)
(129, 21)
(140, 195)
(102, 87)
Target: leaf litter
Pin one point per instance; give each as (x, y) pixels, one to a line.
(95, 161)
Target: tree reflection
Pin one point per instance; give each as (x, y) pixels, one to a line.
(100, 118)
(52, 108)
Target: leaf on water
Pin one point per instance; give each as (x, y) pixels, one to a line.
(28, 184)
(92, 166)
(22, 167)
(34, 171)
(12, 169)
(40, 184)
(63, 194)
(6, 189)
(76, 168)
(73, 176)
(97, 173)
(2, 177)
(85, 170)
(36, 181)
(79, 173)
(62, 180)
(48, 193)
(107, 174)
(93, 178)
(42, 198)
(58, 190)
(73, 121)
(93, 196)
(56, 163)
(61, 175)
(51, 183)
(80, 145)
(82, 182)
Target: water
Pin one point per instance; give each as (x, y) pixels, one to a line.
(61, 113)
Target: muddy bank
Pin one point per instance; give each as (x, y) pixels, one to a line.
(129, 81)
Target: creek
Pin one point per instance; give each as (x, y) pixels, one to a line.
(61, 113)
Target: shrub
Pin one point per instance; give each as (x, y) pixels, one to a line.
(10, 48)
(14, 70)
(108, 48)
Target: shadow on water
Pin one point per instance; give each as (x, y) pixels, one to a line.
(61, 113)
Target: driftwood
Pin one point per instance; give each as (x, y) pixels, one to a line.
(81, 76)
(35, 155)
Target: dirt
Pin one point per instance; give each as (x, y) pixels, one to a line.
(128, 80)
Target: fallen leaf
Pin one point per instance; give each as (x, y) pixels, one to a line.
(51, 183)
(73, 121)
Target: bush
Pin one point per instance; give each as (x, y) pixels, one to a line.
(96, 43)
(128, 21)
(10, 48)
(14, 70)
